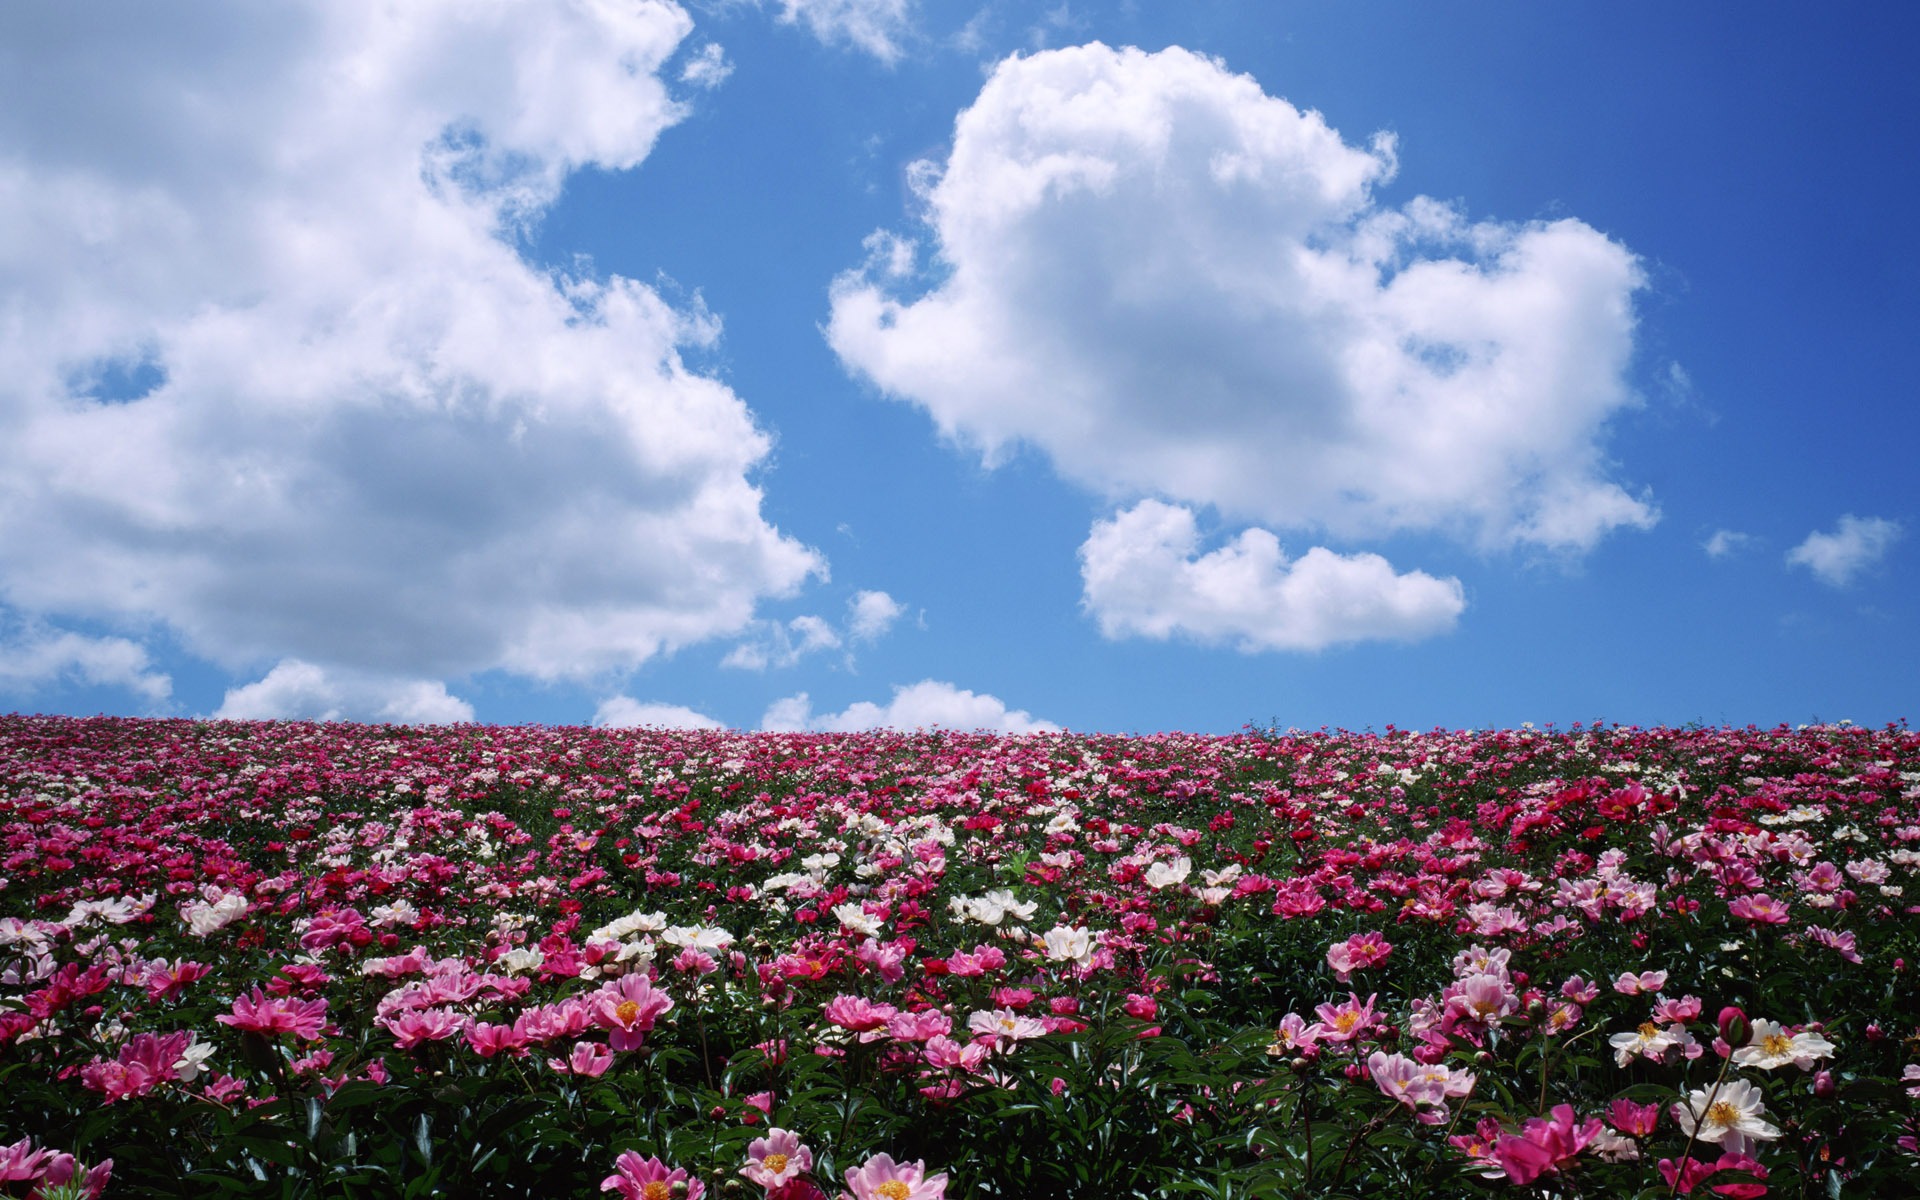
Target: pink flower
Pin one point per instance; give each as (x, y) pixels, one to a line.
(261, 1013)
(639, 1178)
(777, 1159)
(489, 1040)
(20, 1161)
(1638, 1120)
(627, 1008)
(1421, 1087)
(411, 1028)
(1360, 950)
(1759, 908)
(1542, 1147)
(858, 1014)
(1630, 984)
(1345, 1022)
(588, 1058)
(880, 1178)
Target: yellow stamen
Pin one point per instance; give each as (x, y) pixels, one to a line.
(1777, 1044)
(655, 1190)
(775, 1163)
(1722, 1113)
(625, 1012)
(893, 1189)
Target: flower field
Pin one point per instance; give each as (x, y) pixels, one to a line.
(283, 959)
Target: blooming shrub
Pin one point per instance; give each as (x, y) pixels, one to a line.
(300, 959)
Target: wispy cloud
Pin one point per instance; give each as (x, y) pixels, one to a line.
(1856, 544)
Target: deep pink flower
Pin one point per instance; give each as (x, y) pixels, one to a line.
(262, 1013)
(411, 1028)
(1638, 1120)
(858, 1014)
(1544, 1146)
(588, 1058)
(1759, 908)
(1359, 951)
(637, 1178)
(627, 1008)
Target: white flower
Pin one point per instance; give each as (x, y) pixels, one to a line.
(1729, 1114)
(854, 917)
(1068, 943)
(697, 937)
(1648, 1041)
(204, 918)
(1166, 874)
(1772, 1047)
(193, 1060)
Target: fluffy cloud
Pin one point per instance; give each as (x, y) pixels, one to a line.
(302, 691)
(871, 614)
(877, 26)
(1177, 285)
(1142, 578)
(928, 704)
(1855, 544)
(624, 712)
(274, 375)
(36, 656)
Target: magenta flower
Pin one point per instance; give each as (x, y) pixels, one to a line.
(637, 1178)
(588, 1058)
(1638, 1120)
(411, 1028)
(1542, 1147)
(880, 1178)
(1759, 908)
(858, 1014)
(777, 1159)
(266, 1014)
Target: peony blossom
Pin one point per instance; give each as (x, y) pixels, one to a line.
(1729, 1115)
(261, 1013)
(1773, 1046)
(777, 1159)
(627, 1008)
(637, 1178)
(880, 1178)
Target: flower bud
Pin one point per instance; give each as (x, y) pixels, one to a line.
(1823, 1084)
(1733, 1025)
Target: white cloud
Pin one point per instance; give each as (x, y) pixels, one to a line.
(1177, 285)
(624, 712)
(773, 644)
(871, 614)
(1143, 577)
(367, 433)
(1726, 542)
(925, 705)
(877, 26)
(707, 68)
(302, 691)
(37, 656)
(1856, 544)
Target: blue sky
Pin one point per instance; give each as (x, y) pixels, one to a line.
(833, 363)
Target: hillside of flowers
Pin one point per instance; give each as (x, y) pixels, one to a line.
(289, 959)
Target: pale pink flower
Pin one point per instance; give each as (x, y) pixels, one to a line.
(1345, 1022)
(777, 1159)
(1630, 984)
(880, 1178)
(1005, 1024)
(1295, 1036)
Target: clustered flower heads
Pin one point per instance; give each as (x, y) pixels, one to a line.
(906, 966)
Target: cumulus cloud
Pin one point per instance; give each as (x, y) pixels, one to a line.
(1856, 544)
(302, 691)
(274, 375)
(1175, 284)
(879, 27)
(624, 712)
(36, 656)
(1143, 577)
(871, 614)
(1725, 543)
(928, 704)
